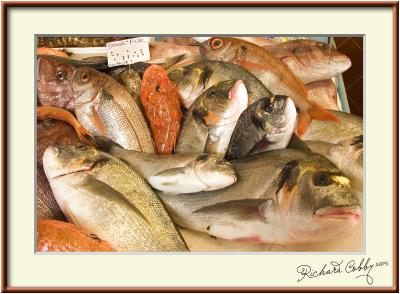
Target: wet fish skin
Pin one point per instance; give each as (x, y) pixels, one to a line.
(324, 92)
(281, 196)
(160, 100)
(54, 42)
(310, 60)
(271, 71)
(105, 108)
(182, 41)
(350, 125)
(194, 79)
(210, 121)
(104, 196)
(130, 79)
(265, 125)
(58, 236)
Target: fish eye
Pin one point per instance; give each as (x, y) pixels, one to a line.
(186, 71)
(62, 76)
(81, 147)
(268, 106)
(157, 88)
(322, 179)
(84, 77)
(212, 93)
(216, 43)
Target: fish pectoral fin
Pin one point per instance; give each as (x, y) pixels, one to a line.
(297, 143)
(171, 61)
(168, 176)
(105, 144)
(260, 146)
(70, 216)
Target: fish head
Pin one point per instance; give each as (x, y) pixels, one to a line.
(316, 199)
(156, 80)
(86, 84)
(61, 160)
(191, 81)
(222, 104)
(54, 83)
(214, 172)
(222, 49)
(275, 114)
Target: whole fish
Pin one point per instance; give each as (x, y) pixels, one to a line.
(350, 126)
(281, 196)
(57, 236)
(324, 92)
(310, 60)
(267, 124)
(160, 101)
(104, 196)
(49, 132)
(177, 173)
(347, 155)
(210, 121)
(54, 83)
(105, 108)
(272, 72)
(54, 42)
(194, 79)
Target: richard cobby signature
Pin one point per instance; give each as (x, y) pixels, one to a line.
(361, 269)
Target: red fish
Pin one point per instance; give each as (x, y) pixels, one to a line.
(160, 101)
(57, 236)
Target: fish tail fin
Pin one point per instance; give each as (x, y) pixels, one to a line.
(319, 113)
(303, 121)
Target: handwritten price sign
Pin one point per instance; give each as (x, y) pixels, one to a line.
(127, 51)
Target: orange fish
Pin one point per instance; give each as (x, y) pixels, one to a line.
(50, 51)
(160, 101)
(57, 236)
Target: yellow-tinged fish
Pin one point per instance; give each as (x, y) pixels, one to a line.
(104, 196)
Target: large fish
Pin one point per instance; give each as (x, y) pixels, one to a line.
(210, 121)
(104, 196)
(271, 71)
(267, 124)
(310, 60)
(57, 236)
(177, 173)
(194, 79)
(281, 196)
(105, 108)
(350, 126)
(324, 93)
(160, 101)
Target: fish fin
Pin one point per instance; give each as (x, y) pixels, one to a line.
(182, 62)
(171, 61)
(319, 113)
(250, 65)
(303, 121)
(297, 143)
(105, 144)
(260, 146)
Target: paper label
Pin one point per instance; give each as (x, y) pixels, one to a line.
(128, 51)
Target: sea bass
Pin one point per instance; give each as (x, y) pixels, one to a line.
(210, 121)
(105, 108)
(160, 101)
(272, 72)
(267, 124)
(324, 93)
(194, 79)
(310, 60)
(281, 196)
(104, 196)
(57, 236)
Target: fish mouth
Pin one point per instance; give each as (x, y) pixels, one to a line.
(345, 213)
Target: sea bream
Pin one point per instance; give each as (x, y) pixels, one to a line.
(271, 71)
(210, 121)
(281, 196)
(101, 194)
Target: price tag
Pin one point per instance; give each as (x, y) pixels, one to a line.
(128, 51)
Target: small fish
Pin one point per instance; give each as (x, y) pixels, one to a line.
(50, 51)
(267, 124)
(210, 121)
(324, 93)
(194, 79)
(105, 108)
(160, 101)
(310, 60)
(282, 196)
(104, 196)
(272, 72)
(54, 42)
(57, 236)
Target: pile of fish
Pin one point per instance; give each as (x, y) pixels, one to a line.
(241, 138)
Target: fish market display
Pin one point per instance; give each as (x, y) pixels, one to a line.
(160, 101)
(232, 143)
(274, 74)
(281, 196)
(210, 121)
(100, 193)
(310, 60)
(267, 124)
(324, 93)
(178, 173)
(56, 236)
(194, 79)
(105, 108)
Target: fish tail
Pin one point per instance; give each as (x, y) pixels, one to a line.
(319, 113)
(303, 121)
